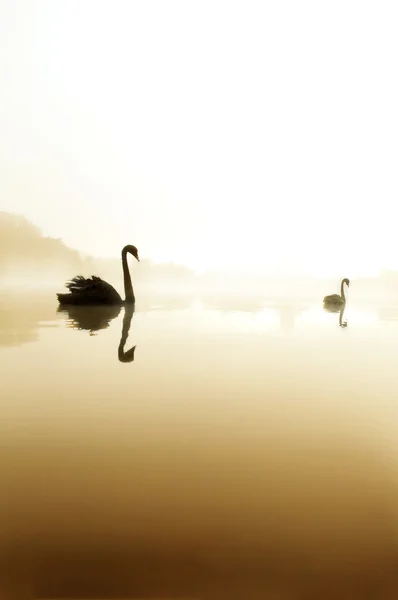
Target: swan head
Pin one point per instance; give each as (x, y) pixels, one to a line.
(133, 250)
(347, 281)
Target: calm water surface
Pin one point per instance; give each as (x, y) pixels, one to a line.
(246, 448)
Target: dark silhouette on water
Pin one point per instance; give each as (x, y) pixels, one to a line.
(128, 355)
(95, 290)
(95, 318)
(334, 299)
(90, 318)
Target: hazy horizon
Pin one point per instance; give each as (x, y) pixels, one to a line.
(25, 254)
(256, 135)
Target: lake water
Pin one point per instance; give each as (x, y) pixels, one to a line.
(247, 448)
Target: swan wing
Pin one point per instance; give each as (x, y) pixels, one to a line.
(332, 299)
(92, 290)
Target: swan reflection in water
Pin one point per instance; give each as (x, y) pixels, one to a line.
(337, 309)
(126, 356)
(90, 318)
(95, 318)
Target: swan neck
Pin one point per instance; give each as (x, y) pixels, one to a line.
(128, 286)
(342, 290)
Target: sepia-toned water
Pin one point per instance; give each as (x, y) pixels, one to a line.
(245, 449)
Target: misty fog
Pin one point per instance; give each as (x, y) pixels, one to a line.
(31, 261)
(222, 434)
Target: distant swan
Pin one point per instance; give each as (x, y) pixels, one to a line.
(334, 299)
(95, 290)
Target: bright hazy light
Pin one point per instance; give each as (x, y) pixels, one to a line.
(210, 133)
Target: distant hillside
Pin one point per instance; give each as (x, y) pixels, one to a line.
(25, 253)
(27, 256)
(24, 250)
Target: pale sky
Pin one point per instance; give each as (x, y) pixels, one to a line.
(210, 133)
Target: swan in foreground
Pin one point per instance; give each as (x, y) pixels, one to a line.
(95, 290)
(334, 299)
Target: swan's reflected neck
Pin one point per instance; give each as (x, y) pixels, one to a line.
(126, 356)
(341, 322)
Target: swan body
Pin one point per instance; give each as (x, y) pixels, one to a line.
(335, 299)
(94, 290)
